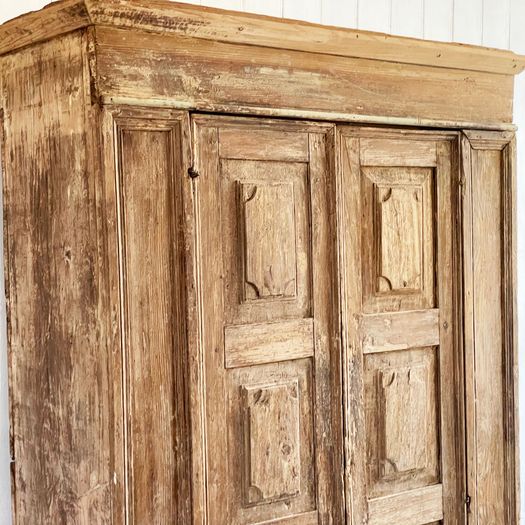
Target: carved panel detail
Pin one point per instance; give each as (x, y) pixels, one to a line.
(403, 397)
(270, 268)
(272, 438)
(398, 239)
(400, 214)
(402, 420)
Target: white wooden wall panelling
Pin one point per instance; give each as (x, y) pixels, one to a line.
(374, 15)
(438, 21)
(264, 7)
(468, 21)
(407, 18)
(309, 10)
(224, 4)
(341, 13)
(496, 23)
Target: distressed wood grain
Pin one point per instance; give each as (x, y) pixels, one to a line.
(60, 333)
(219, 76)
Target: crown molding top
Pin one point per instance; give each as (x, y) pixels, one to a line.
(163, 16)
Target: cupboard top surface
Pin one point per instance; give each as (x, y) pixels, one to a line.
(240, 28)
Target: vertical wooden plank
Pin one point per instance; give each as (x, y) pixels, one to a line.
(349, 211)
(438, 20)
(153, 309)
(509, 327)
(496, 23)
(490, 320)
(211, 305)
(309, 10)
(107, 210)
(490, 311)
(5, 452)
(264, 7)
(468, 323)
(341, 13)
(58, 328)
(329, 447)
(374, 15)
(452, 438)
(468, 21)
(407, 18)
(486, 204)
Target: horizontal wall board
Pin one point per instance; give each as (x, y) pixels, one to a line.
(214, 76)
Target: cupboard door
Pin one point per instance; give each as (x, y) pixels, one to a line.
(402, 367)
(266, 245)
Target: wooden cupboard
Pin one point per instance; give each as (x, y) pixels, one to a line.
(258, 271)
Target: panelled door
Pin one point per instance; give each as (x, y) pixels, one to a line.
(266, 235)
(402, 369)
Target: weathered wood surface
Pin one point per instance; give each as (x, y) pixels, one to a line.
(278, 390)
(54, 20)
(59, 321)
(157, 446)
(490, 343)
(239, 63)
(137, 296)
(402, 381)
(242, 28)
(217, 76)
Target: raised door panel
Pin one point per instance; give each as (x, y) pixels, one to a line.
(399, 249)
(152, 425)
(272, 408)
(401, 384)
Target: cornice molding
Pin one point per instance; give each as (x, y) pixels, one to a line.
(162, 16)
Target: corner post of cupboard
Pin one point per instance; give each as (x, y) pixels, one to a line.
(490, 341)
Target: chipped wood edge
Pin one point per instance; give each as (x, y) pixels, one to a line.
(251, 29)
(53, 20)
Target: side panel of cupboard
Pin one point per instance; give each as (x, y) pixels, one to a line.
(60, 321)
(402, 360)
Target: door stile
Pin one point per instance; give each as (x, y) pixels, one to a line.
(350, 257)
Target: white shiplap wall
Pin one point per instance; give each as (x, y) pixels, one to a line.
(493, 23)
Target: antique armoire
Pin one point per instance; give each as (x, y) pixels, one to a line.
(259, 271)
